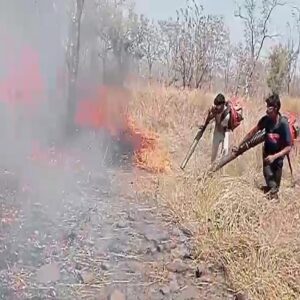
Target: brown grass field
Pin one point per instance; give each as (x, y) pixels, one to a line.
(254, 240)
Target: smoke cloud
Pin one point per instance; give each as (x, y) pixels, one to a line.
(49, 168)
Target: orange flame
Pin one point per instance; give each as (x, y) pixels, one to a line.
(22, 83)
(107, 109)
(149, 155)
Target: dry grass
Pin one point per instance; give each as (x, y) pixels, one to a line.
(256, 241)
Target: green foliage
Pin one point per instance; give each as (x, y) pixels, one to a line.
(278, 68)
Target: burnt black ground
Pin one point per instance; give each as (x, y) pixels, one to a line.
(81, 234)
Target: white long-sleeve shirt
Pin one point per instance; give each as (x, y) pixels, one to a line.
(220, 136)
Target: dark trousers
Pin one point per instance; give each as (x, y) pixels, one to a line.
(273, 173)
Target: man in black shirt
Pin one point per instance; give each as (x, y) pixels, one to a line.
(277, 144)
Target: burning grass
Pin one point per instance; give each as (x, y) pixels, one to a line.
(254, 240)
(148, 154)
(106, 109)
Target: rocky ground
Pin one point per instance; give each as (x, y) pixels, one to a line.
(93, 240)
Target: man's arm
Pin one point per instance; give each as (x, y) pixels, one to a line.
(211, 113)
(248, 136)
(287, 141)
(209, 117)
(283, 152)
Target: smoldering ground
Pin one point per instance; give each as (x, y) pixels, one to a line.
(50, 181)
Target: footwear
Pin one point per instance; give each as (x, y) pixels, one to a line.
(265, 189)
(272, 195)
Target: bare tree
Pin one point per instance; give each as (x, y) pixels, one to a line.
(278, 68)
(73, 52)
(120, 33)
(194, 50)
(240, 66)
(194, 45)
(227, 65)
(293, 48)
(149, 49)
(211, 48)
(186, 45)
(169, 32)
(256, 21)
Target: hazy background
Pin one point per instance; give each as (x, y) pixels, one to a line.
(157, 9)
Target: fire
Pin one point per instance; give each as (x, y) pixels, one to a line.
(23, 83)
(148, 155)
(106, 109)
(103, 108)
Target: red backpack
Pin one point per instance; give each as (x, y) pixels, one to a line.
(235, 109)
(294, 125)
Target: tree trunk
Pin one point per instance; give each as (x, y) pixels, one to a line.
(73, 63)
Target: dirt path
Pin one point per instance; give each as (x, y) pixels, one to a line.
(95, 242)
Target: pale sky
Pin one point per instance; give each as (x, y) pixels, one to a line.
(162, 9)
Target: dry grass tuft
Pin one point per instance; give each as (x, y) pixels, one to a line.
(256, 241)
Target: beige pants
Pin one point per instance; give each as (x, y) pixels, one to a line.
(219, 138)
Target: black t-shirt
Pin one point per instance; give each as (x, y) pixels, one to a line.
(278, 136)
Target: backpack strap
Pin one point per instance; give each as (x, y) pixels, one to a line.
(225, 112)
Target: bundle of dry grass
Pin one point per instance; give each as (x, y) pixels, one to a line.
(255, 240)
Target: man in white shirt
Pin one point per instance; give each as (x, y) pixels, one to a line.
(221, 133)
